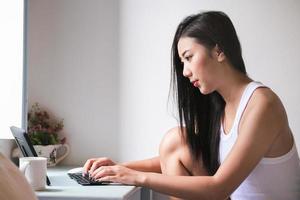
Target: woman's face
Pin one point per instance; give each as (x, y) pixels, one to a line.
(200, 65)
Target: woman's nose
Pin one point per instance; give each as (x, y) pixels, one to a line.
(186, 72)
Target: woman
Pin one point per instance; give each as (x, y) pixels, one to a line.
(233, 140)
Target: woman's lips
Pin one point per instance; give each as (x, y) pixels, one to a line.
(195, 83)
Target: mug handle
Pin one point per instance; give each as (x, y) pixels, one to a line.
(65, 154)
(24, 166)
(16, 153)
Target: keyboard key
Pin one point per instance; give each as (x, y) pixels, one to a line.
(85, 180)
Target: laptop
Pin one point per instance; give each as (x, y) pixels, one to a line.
(23, 141)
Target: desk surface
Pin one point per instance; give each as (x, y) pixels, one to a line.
(63, 188)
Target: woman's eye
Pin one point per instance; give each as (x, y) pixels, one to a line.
(188, 58)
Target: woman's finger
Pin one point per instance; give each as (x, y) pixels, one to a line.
(88, 165)
(102, 171)
(100, 162)
(96, 165)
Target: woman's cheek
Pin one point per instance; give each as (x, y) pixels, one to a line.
(201, 62)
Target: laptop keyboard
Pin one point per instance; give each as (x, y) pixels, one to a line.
(85, 180)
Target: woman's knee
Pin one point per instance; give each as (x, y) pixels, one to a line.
(173, 146)
(171, 142)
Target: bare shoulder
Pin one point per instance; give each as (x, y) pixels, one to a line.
(265, 111)
(265, 118)
(265, 101)
(265, 95)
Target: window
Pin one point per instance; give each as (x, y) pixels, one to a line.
(11, 66)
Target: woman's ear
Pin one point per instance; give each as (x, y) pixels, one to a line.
(219, 54)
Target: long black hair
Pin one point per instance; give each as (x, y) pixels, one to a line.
(201, 114)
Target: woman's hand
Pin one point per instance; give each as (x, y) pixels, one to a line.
(94, 163)
(118, 174)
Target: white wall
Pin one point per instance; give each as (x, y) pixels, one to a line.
(104, 66)
(73, 71)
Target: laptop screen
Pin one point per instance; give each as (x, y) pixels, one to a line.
(24, 143)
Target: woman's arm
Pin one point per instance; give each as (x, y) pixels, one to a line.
(260, 127)
(147, 165)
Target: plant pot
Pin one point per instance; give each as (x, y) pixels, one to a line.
(54, 153)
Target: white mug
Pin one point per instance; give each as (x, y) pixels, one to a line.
(34, 169)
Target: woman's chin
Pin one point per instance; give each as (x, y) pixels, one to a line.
(204, 91)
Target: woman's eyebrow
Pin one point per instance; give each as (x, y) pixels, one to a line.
(184, 53)
(182, 56)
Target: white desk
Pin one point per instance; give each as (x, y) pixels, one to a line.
(64, 188)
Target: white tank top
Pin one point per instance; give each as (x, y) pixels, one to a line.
(273, 178)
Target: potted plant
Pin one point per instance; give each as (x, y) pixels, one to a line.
(43, 131)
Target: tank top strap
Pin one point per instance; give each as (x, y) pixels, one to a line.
(251, 87)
